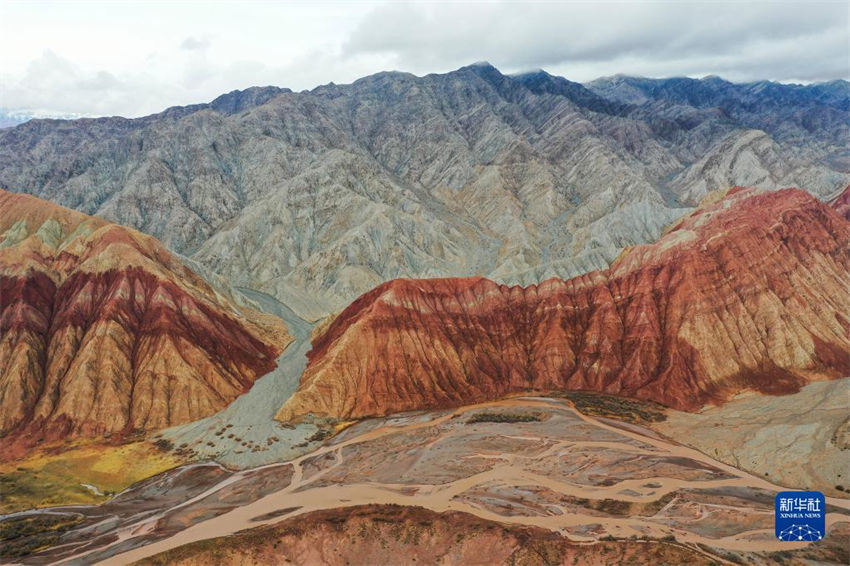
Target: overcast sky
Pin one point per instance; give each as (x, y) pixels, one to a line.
(133, 59)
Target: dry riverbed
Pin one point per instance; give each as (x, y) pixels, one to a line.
(523, 463)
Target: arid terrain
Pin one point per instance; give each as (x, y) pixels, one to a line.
(465, 318)
(572, 476)
(530, 469)
(812, 427)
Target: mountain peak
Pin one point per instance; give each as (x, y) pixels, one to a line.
(482, 68)
(236, 101)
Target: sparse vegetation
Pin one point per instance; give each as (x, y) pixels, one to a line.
(666, 538)
(164, 444)
(841, 436)
(320, 435)
(612, 406)
(503, 418)
(618, 508)
(22, 536)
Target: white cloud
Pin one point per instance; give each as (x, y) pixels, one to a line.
(137, 58)
(53, 85)
(195, 44)
(749, 41)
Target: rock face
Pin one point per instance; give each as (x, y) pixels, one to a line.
(841, 203)
(749, 292)
(316, 197)
(102, 330)
(761, 151)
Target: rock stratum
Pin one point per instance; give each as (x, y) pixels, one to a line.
(841, 203)
(316, 197)
(749, 292)
(104, 331)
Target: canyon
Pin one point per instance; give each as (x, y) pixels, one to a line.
(488, 468)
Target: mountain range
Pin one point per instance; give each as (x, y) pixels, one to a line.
(747, 293)
(318, 196)
(462, 317)
(106, 332)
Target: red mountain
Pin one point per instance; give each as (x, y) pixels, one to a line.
(750, 292)
(102, 330)
(841, 203)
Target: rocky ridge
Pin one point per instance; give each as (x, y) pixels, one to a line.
(749, 292)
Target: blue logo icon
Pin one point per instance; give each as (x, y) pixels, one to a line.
(800, 516)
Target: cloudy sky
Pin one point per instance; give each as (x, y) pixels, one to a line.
(132, 59)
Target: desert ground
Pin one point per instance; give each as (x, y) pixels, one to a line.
(522, 463)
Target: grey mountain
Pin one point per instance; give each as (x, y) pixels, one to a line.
(317, 196)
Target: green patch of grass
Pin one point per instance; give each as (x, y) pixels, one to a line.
(502, 418)
(49, 478)
(23, 536)
(25, 489)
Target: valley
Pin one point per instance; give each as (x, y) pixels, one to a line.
(581, 471)
(587, 479)
(459, 318)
